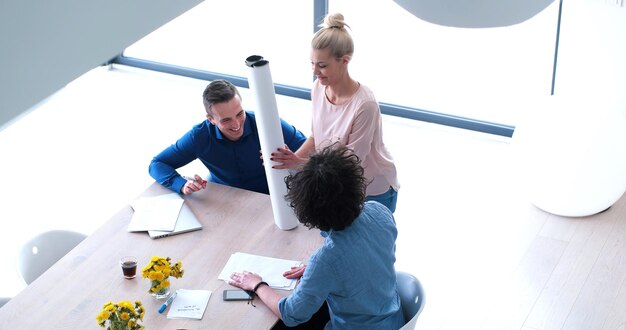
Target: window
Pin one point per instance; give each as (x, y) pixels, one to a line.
(469, 73)
(474, 73)
(219, 36)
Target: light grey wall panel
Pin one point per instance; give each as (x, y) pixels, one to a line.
(46, 44)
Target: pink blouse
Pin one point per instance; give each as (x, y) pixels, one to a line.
(357, 124)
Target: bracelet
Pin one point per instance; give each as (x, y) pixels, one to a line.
(256, 287)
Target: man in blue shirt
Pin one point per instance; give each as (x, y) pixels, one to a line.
(353, 272)
(227, 143)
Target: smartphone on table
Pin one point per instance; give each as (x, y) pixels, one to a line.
(231, 295)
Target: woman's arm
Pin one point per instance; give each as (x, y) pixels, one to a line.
(293, 160)
(307, 148)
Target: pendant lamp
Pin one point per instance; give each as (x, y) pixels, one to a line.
(474, 13)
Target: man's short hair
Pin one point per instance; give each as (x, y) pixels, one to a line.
(218, 91)
(329, 191)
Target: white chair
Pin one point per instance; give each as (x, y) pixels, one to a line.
(44, 250)
(411, 298)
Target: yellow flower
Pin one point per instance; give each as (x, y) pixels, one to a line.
(122, 315)
(153, 276)
(166, 272)
(102, 317)
(158, 270)
(125, 304)
(109, 307)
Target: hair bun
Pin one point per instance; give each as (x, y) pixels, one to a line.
(334, 21)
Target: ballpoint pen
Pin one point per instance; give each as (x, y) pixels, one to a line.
(167, 302)
(195, 179)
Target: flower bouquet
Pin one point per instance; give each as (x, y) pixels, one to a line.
(158, 270)
(122, 316)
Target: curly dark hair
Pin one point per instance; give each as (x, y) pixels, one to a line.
(329, 191)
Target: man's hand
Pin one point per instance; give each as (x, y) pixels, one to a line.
(193, 185)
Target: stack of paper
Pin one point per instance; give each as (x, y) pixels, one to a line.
(189, 304)
(270, 269)
(155, 213)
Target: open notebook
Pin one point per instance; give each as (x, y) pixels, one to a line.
(186, 222)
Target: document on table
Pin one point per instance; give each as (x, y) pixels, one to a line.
(270, 269)
(189, 304)
(155, 213)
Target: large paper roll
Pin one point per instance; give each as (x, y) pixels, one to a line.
(271, 137)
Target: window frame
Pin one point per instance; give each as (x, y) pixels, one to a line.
(320, 9)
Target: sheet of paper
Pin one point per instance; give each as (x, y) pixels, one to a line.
(270, 269)
(189, 304)
(155, 213)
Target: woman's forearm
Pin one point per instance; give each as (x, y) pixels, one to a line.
(306, 148)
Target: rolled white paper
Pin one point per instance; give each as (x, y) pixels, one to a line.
(271, 137)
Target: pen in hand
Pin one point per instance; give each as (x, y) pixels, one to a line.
(193, 184)
(167, 302)
(196, 178)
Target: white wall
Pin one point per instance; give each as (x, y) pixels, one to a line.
(592, 49)
(47, 44)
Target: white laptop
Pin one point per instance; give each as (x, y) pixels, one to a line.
(186, 222)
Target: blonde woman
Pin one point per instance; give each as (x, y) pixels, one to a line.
(344, 111)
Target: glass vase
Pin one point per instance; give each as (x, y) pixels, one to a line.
(159, 291)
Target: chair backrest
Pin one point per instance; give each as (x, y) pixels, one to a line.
(44, 250)
(411, 298)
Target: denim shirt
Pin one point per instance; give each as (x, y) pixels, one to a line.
(354, 272)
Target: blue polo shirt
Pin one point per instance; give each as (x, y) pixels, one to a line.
(233, 163)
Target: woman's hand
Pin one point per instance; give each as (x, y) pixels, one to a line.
(287, 159)
(245, 280)
(295, 272)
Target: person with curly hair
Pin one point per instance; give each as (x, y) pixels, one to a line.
(350, 282)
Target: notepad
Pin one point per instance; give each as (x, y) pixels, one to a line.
(189, 304)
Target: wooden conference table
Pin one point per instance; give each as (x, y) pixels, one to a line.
(71, 293)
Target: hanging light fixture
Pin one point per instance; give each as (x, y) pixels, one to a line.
(474, 13)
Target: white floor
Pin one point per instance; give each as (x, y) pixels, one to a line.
(84, 153)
